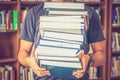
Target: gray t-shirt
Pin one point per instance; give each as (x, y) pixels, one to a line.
(31, 23)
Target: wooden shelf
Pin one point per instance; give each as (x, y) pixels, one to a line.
(116, 3)
(8, 2)
(116, 53)
(116, 28)
(94, 3)
(8, 60)
(115, 78)
(30, 2)
(8, 31)
(11, 37)
(96, 79)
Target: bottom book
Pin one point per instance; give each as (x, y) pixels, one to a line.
(61, 69)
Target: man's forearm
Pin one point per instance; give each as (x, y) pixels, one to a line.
(99, 58)
(23, 58)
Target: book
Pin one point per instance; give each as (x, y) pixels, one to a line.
(72, 59)
(62, 35)
(65, 12)
(64, 5)
(61, 39)
(56, 51)
(51, 18)
(2, 20)
(59, 43)
(74, 25)
(15, 19)
(61, 69)
(0, 75)
(9, 20)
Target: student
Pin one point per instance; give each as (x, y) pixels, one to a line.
(28, 36)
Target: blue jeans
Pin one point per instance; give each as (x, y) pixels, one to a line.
(85, 77)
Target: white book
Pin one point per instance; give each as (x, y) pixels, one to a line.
(73, 59)
(61, 64)
(67, 41)
(60, 12)
(68, 25)
(59, 43)
(64, 5)
(56, 51)
(63, 36)
(61, 19)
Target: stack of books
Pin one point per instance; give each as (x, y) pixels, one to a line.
(62, 38)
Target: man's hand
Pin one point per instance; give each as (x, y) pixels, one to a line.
(84, 58)
(40, 71)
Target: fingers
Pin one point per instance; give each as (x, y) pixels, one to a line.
(80, 53)
(78, 73)
(41, 72)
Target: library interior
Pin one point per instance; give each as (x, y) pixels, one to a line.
(63, 29)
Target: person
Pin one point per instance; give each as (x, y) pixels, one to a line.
(27, 57)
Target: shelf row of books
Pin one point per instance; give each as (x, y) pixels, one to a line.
(33, 0)
(88, 0)
(5, 0)
(115, 0)
(116, 16)
(63, 0)
(7, 72)
(115, 41)
(115, 71)
(26, 73)
(8, 20)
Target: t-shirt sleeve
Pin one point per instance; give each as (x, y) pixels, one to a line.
(95, 32)
(28, 27)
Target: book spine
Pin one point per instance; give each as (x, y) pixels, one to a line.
(61, 64)
(61, 5)
(15, 19)
(60, 19)
(62, 35)
(71, 59)
(67, 25)
(51, 51)
(53, 12)
(59, 43)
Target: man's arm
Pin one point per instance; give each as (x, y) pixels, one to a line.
(24, 52)
(26, 57)
(98, 55)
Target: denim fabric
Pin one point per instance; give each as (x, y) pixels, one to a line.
(85, 77)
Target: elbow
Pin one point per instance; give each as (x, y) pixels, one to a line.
(103, 58)
(20, 58)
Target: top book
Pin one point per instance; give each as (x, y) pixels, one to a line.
(64, 5)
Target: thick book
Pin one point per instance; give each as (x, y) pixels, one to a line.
(65, 12)
(64, 5)
(56, 51)
(63, 35)
(61, 69)
(52, 18)
(15, 19)
(59, 58)
(62, 24)
(59, 43)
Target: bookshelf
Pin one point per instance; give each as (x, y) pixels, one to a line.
(9, 39)
(113, 50)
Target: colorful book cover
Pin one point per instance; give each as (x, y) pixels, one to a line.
(15, 19)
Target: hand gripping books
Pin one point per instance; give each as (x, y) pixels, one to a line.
(61, 38)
